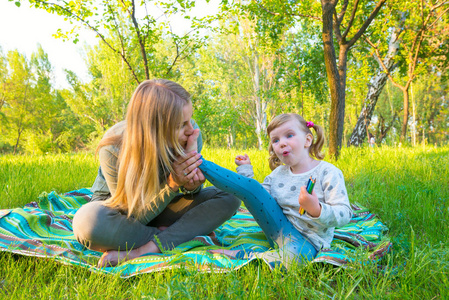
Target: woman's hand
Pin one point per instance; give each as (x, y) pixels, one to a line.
(309, 202)
(242, 160)
(186, 172)
(197, 180)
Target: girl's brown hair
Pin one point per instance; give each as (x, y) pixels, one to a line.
(149, 143)
(315, 147)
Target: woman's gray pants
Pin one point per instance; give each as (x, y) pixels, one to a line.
(102, 228)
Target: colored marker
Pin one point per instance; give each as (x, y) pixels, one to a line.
(309, 188)
(239, 158)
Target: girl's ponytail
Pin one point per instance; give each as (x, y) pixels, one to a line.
(273, 161)
(317, 144)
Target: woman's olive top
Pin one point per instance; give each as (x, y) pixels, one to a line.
(106, 182)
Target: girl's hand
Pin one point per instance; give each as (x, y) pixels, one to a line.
(309, 202)
(184, 170)
(242, 160)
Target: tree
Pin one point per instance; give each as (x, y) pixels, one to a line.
(38, 136)
(335, 24)
(18, 95)
(214, 84)
(131, 23)
(3, 76)
(422, 40)
(377, 84)
(428, 95)
(254, 63)
(262, 66)
(337, 71)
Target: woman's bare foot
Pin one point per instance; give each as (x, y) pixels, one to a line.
(112, 258)
(192, 144)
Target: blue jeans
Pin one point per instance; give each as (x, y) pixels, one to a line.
(264, 208)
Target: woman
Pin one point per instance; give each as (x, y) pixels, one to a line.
(144, 161)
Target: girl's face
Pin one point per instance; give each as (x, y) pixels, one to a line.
(291, 144)
(185, 128)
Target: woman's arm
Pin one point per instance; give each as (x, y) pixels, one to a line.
(108, 163)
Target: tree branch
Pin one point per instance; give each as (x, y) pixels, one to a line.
(386, 70)
(132, 15)
(177, 54)
(87, 24)
(343, 11)
(417, 42)
(366, 23)
(439, 17)
(336, 27)
(354, 9)
(118, 30)
(295, 15)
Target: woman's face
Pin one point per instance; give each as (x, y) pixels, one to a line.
(185, 128)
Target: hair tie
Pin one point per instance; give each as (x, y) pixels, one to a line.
(310, 124)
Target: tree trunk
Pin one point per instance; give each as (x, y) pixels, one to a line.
(261, 105)
(19, 133)
(231, 137)
(342, 69)
(374, 89)
(413, 118)
(405, 120)
(383, 129)
(332, 75)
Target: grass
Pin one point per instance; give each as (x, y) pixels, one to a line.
(407, 188)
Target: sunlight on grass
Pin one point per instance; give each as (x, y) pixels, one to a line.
(407, 188)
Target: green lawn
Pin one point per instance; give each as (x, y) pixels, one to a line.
(407, 188)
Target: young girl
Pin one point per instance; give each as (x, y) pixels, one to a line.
(295, 156)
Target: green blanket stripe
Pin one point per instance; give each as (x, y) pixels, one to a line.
(44, 229)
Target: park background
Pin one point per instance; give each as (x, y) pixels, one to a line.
(385, 74)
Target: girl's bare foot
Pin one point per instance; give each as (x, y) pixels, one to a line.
(192, 144)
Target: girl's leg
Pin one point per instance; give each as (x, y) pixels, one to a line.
(263, 207)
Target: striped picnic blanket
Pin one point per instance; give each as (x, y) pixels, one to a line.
(44, 229)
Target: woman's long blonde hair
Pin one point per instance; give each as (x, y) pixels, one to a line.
(315, 147)
(149, 143)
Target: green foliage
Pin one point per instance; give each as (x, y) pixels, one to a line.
(135, 32)
(35, 117)
(18, 98)
(280, 39)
